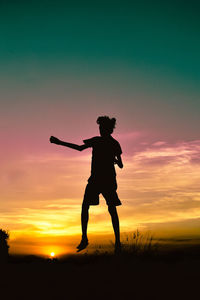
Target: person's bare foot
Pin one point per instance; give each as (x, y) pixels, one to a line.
(83, 244)
(118, 248)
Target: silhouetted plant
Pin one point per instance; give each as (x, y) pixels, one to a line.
(4, 236)
(138, 243)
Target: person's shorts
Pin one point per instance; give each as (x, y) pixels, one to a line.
(107, 188)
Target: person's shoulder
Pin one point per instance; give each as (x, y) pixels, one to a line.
(91, 140)
(115, 141)
(116, 145)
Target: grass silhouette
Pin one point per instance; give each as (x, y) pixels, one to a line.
(133, 244)
(137, 243)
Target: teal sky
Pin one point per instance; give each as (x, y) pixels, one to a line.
(137, 60)
(141, 34)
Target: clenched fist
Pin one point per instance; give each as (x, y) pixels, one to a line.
(54, 140)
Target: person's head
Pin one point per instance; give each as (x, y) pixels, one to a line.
(106, 125)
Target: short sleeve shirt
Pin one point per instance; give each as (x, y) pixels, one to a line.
(104, 151)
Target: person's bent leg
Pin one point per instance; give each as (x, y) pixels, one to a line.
(115, 222)
(84, 219)
(84, 222)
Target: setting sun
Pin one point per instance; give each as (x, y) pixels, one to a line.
(52, 254)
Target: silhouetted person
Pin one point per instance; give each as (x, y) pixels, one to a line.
(106, 152)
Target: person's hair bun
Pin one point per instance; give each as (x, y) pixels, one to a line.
(107, 123)
(113, 120)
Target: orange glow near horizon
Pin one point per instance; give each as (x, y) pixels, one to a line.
(158, 185)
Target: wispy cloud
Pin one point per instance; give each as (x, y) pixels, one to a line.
(161, 183)
(129, 136)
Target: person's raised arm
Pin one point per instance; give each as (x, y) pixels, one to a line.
(54, 140)
(118, 161)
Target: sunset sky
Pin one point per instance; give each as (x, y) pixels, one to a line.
(62, 66)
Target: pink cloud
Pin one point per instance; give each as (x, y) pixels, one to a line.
(159, 143)
(132, 135)
(181, 152)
